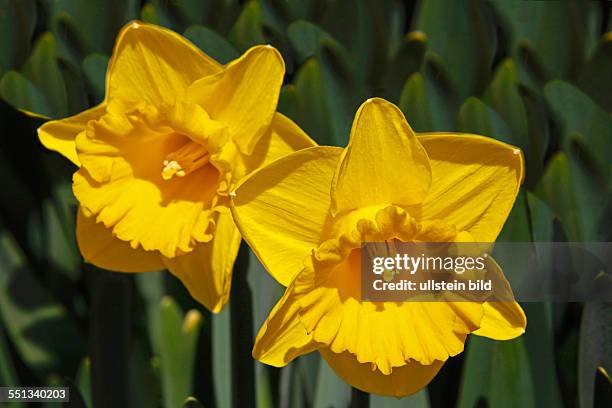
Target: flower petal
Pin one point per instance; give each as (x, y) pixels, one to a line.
(244, 95)
(405, 380)
(207, 271)
(282, 337)
(475, 180)
(384, 163)
(153, 64)
(59, 135)
(99, 247)
(124, 188)
(282, 208)
(283, 137)
(502, 321)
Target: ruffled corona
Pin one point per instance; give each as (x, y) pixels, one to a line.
(331, 311)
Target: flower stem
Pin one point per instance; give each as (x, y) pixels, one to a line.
(359, 399)
(241, 323)
(110, 338)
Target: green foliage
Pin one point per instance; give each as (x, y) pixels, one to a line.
(534, 74)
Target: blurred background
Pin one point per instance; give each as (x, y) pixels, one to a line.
(536, 74)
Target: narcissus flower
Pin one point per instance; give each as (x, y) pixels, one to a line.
(305, 216)
(158, 157)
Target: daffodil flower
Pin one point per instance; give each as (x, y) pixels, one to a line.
(306, 214)
(159, 156)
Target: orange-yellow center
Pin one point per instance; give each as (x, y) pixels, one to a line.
(185, 160)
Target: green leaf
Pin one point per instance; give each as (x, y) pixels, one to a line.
(511, 384)
(222, 364)
(288, 102)
(8, 375)
(595, 76)
(212, 43)
(541, 219)
(76, 88)
(540, 344)
(406, 60)
(60, 245)
(476, 117)
(155, 15)
(331, 391)
(462, 35)
(544, 25)
(427, 102)
(415, 103)
(28, 318)
(178, 340)
(572, 193)
(305, 38)
(314, 115)
(21, 93)
(184, 13)
(351, 23)
(151, 288)
(595, 348)
(502, 94)
(83, 381)
(43, 70)
(537, 134)
(327, 96)
(384, 42)
(144, 376)
(94, 68)
(582, 118)
(497, 372)
(248, 31)
(290, 387)
(516, 228)
(17, 21)
(266, 291)
(95, 22)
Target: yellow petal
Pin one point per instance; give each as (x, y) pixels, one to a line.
(502, 321)
(244, 95)
(207, 271)
(282, 138)
(282, 337)
(153, 64)
(99, 247)
(475, 180)
(281, 209)
(405, 380)
(125, 189)
(384, 162)
(59, 135)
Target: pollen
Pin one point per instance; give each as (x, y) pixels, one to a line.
(185, 160)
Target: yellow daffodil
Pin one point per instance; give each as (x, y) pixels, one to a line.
(159, 156)
(305, 216)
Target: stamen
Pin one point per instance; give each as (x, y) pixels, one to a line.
(185, 160)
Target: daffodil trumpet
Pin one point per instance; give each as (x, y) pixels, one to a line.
(306, 215)
(158, 157)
